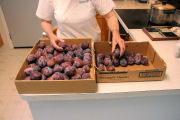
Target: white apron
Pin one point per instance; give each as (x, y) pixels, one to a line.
(76, 19)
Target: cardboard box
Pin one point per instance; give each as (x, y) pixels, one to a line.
(55, 86)
(154, 71)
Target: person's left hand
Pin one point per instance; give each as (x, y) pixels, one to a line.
(117, 40)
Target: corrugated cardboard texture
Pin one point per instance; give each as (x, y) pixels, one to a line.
(154, 71)
(55, 86)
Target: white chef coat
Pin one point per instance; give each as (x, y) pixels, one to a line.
(75, 18)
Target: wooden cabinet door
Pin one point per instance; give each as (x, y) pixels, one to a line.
(103, 26)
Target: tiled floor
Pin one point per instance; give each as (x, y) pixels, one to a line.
(12, 107)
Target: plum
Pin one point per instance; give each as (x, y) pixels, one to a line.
(44, 52)
(65, 77)
(125, 55)
(86, 76)
(35, 76)
(76, 58)
(80, 71)
(28, 71)
(41, 45)
(100, 55)
(68, 58)
(50, 49)
(62, 44)
(88, 50)
(35, 67)
(57, 68)
(57, 76)
(84, 45)
(107, 61)
(116, 53)
(87, 62)
(49, 56)
(130, 60)
(110, 68)
(79, 47)
(43, 77)
(50, 63)
(108, 56)
(70, 53)
(74, 47)
(101, 67)
(27, 78)
(50, 78)
(78, 63)
(86, 68)
(70, 71)
(99, 60)
(87, 56)
(77, 76)
(78, 53)
(47, 71)
(59, 58)
(42, 61)
(123, 62)
(144, 61)
(56, 53)
(138, 58)
(38, 54)
(68, 47)
(116, 62)
(31, 58)
(65, 64)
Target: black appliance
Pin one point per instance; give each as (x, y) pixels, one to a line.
(135, 19)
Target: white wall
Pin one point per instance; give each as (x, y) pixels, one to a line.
(4, 30)
(23, 25)
(133, 108)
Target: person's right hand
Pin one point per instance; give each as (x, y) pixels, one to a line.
(54, 40)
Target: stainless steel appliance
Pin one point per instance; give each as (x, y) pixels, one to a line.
(176, 19)
(162, 13)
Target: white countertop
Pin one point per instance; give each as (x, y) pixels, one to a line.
(170, 84)
(131, 4)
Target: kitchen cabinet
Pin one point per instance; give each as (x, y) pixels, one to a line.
(103, 26)
(106, 35)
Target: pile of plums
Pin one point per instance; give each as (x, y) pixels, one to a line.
(109, 62)
(73, 62)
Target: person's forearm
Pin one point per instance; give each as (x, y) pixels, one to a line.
(112, 22)
(114, 27)
(47, 27)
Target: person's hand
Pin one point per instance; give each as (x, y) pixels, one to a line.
(54, 40)
(117, 40)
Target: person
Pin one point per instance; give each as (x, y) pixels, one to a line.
(76, 19)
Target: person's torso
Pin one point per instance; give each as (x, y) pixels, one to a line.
(76, 19)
